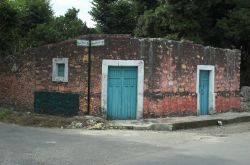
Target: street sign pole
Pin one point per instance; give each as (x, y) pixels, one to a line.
(89, 76)
(89, 43)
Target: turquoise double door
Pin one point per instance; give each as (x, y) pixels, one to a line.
(122, 93)
(204, 92)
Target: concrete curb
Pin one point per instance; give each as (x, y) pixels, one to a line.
(181, 125)
(208, 123)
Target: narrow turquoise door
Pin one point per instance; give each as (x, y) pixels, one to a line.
(204, 92)
(122, 93)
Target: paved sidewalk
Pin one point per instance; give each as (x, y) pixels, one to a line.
(176, 123)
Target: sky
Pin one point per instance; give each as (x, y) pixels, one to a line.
(60, 7)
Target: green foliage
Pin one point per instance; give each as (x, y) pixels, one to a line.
(26, 23)
(237, 30)
(30, 15)
(8, 21)
(218, 23)
(4, 113)
(193, 20)
(153, 23)
(114, 16)
(19, 18)
(59, 29)
(237, 26)
(143, 5)
(35, 13)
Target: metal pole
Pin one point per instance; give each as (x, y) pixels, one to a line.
(89, 75)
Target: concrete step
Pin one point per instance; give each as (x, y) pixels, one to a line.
(177, 123)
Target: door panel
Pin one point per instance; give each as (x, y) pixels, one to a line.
(122, 92)
(204, 92)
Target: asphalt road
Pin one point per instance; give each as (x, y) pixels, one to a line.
(228, 145)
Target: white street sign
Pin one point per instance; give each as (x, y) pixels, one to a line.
(97, 43)
(82, 43)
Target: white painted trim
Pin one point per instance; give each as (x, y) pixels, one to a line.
(140, 82)
(211, 98)
(55, 77)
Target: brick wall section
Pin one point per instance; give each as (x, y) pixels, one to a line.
(17, 82)
(169, 82)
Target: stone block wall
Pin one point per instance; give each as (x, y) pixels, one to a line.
(245, 98)
(170, 71)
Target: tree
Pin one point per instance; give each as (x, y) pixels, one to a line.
(37, 12)
(218, 23)
(237, 30)
(143, 5)
(194, 20)
(29, 14)
(8, 22)
(25, 23)
(58, 29)
(154, 23)
(114, 16)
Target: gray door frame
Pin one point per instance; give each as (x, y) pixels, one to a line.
(140, 83)
(211, 97)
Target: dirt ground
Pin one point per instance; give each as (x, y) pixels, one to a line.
(41, 120)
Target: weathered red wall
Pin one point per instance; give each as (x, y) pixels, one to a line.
(169, 68)
(17, 82)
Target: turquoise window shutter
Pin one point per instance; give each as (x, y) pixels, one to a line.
(60, 70)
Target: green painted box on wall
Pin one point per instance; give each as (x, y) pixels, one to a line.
(55, 103)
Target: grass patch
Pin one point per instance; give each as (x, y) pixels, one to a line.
(4, 113)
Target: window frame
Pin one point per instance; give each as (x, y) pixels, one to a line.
(55, 76)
